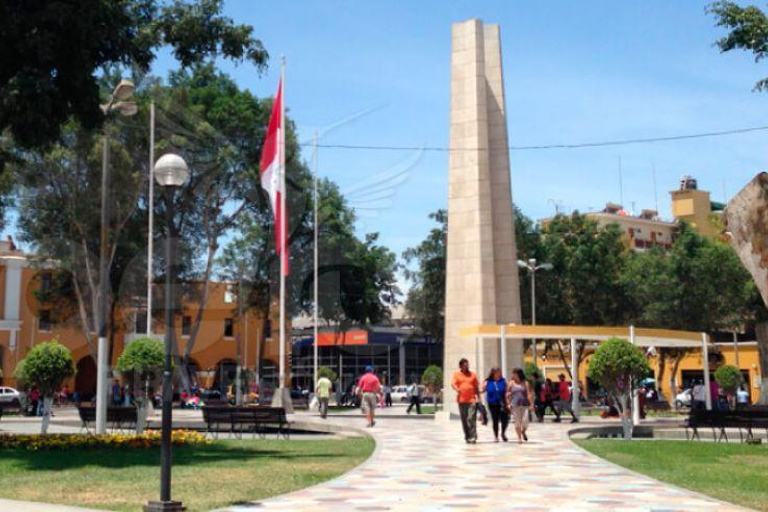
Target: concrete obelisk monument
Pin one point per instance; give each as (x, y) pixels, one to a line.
(482, 285)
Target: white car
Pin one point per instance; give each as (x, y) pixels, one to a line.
(683, 399)
(399, 393)
(9, 396)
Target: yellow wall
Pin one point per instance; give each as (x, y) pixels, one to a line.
(210, 348)
(694, 207)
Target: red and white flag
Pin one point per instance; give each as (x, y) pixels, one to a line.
(273, 175)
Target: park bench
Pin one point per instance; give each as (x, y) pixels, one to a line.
(746, 421)
(274, 417)
(121, 419)
(237, 420)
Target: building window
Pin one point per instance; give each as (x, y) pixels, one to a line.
(44, 321)
(267, 329)
(229, 328)
(186, 325)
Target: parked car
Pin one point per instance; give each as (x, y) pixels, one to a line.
(683, 399)
(399, 393)
(9, 397)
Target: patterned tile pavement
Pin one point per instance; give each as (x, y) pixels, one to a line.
(425, 466)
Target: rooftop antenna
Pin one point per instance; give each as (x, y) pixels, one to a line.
(655, 191)
(621, 186)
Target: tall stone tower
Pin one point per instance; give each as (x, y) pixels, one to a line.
(482, 285)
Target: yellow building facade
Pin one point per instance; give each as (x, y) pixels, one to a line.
(24, 323)
(689, 367)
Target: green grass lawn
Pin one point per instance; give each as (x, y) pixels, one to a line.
(737, 473)
(204, 477)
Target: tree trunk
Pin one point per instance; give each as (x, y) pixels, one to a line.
(564, 360)
(622, 404)
(662, 367)
(673, 377)
(761, 332)
(47, 405)
(142, 411)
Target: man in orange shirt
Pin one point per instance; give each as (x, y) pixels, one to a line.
(467, 389)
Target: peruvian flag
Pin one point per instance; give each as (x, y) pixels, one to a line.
(273, 175)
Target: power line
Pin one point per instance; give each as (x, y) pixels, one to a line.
(577, 145)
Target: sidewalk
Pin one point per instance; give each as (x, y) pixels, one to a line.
(426, 466)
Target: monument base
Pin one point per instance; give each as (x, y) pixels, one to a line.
(282, 398)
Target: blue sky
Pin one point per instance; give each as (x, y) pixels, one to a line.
(574, 71)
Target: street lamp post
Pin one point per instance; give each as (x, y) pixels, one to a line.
(171, 172)
(530, 265)
(117, 102)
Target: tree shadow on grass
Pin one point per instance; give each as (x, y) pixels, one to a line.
(62, 460)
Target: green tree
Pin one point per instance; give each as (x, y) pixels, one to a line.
(729, 378)
(618, 366)
(142, 364)
(324, 371)
(426, 298)
(22, 382)
(53, 52)
(46, 366)
(532, 373)
(432, 378)
(748, 30)
(583, 287)
(698, 285)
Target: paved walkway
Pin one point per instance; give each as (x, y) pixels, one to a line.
(426, 466)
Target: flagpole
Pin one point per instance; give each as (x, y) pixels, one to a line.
(283, 230)
(150, 207)
(316, 266)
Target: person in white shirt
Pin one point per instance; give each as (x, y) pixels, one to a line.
(698, 396)
(414, 395)
(742, 397)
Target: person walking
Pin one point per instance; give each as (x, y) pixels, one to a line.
(520, 399)
(323, 392)
(34, 398)
(495, 388)
(387, 395)
(467, 389)
(546, 400)
(564, 399)
(414, 397)
(369, 390)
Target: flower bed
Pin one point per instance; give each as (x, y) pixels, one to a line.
(85, 441)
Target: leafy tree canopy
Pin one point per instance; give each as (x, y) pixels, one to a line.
(729, 377)
(53, 51)
(142, 358)
(748, 30)
(46, 366)
(432, 377)
(324, 371)
(426, 298)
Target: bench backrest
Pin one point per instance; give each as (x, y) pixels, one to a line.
(87, 414)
